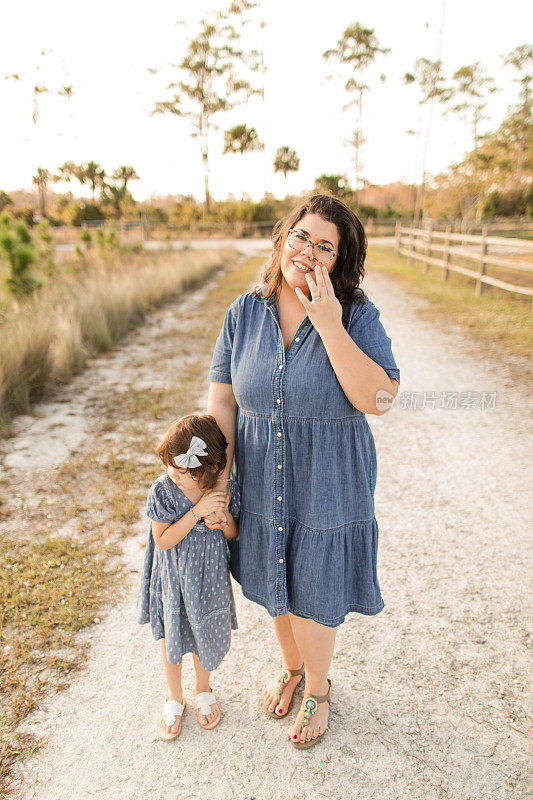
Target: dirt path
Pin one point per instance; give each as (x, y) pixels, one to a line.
(429, 698)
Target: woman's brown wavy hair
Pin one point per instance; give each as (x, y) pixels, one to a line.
(348, 271)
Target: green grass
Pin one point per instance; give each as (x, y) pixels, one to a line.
(496, 317)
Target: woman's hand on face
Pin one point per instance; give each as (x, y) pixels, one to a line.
(211, 502)
(325, 312)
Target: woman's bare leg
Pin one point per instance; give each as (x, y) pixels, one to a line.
(173, 681)
(315, 642)
(291, 659)
(202, 685)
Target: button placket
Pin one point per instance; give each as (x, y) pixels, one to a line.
(278, 466)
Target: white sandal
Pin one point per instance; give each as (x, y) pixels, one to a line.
(204, 702)
(171, 711)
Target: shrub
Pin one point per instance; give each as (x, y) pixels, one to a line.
(17, 248)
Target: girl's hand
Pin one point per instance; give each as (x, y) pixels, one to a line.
(211, 502)
(215, 523)
(325, 312)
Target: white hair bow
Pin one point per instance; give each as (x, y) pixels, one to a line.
(188, 459)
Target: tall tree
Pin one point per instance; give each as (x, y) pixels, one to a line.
(429, 78)
(470, 87)
(357, 49)
(286, 161)
(209, 83)
(41, 180)
(521, 58)
(468, 97)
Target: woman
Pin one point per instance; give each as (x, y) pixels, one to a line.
(296, 367)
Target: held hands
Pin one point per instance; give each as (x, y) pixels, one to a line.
(323, 309)
(216, 521)
(212, 503)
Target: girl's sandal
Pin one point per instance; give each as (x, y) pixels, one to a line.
(169, 716)
(284, 677)
(310, 705)
(204, 703)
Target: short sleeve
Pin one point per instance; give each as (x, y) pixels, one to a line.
(365, 328)
(234, 506)
(160, 506)
(220, 370)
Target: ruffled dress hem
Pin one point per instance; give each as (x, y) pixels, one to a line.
(329, 623)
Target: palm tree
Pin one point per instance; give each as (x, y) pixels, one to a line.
(357, 48)
(286, 161)
(208, 84)
(41, 179)
(241, 139)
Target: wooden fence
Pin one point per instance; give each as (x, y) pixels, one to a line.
(142, 230)
(420, 243)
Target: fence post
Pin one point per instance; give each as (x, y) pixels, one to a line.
(427, 250)
(411, 241)
(397, 234)
(482, 261)
(446, 254)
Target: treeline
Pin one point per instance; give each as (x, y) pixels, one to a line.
(217, 71)
(495, 179)
(65, 209)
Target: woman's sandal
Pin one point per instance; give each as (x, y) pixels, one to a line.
(310, 704)
(204, 702)
(169, 716)
(284, 677)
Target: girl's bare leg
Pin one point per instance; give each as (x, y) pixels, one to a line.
(291, 659)
(173, 681)
(202, 685)
(315, 643)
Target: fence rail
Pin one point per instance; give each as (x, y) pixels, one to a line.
(419, 244)
(143, 230)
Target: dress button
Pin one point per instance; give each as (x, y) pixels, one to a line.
(278, 400)
(279, 466)
(279, 433)
(280, 498)
(297, 339)
(280, 560)
(280, 529)
(280, 366)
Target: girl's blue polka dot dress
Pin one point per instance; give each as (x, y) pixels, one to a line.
(185, 592)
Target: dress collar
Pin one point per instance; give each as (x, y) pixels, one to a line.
(270, 302)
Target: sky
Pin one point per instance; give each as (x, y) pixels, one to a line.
(105, 49)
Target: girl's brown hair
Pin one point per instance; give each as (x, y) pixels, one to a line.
(177, 440)
(348, 271)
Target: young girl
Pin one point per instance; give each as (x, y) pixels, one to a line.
(185, 591)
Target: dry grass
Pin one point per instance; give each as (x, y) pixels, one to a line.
(495, 317)
(48, 339)
(51, 586)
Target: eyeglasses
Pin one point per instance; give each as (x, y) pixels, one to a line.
(298, 240)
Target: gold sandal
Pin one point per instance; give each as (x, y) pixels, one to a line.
(310, 704)
(284, 677)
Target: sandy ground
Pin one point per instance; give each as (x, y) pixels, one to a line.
(430, 697)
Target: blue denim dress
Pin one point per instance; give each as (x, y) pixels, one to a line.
(185, 592)
(305, 461)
